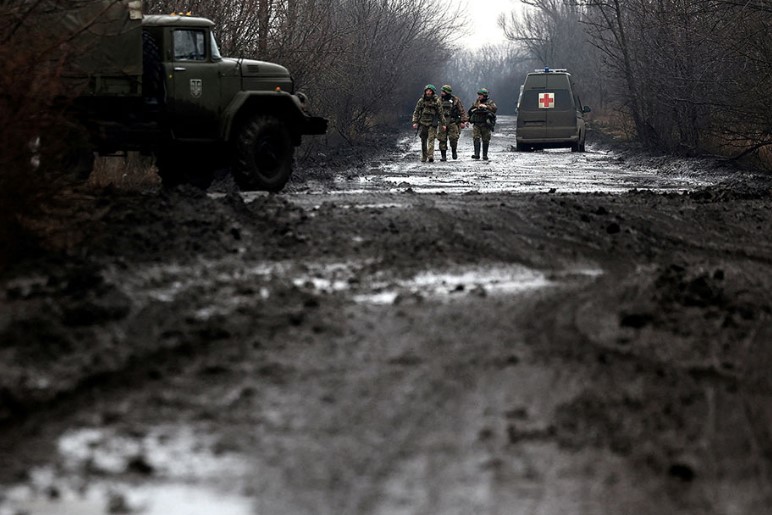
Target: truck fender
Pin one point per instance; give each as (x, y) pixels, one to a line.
(284, 106)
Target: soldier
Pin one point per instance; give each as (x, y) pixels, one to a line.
(482, 115)
(456, 118)
(427, 117)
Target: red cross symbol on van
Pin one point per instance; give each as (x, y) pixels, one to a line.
(546, 100)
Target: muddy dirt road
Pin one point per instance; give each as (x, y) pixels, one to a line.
(545, 333)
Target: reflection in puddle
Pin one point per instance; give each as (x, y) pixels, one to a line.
(439, 285)
(101, 497)
(228, 288)
(447, 285)
(97, 464)
(558, 170)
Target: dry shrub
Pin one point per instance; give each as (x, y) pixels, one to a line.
(613, 122)
(134, 172)
(31, 107)
(24, 113)
(765, 157)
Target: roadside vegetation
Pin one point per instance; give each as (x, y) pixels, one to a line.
(680, 76)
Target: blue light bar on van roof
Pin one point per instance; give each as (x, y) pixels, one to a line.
(547, 69)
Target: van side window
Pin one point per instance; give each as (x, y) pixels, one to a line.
(189, 45)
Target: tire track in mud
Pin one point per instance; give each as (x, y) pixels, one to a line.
(398, 401)
(447, 398)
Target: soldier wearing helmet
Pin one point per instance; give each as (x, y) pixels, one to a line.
(428, 117)
(482, 115)
(456, 118)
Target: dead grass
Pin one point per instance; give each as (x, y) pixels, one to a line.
(614, 123)
(135, 172)
(765, 158)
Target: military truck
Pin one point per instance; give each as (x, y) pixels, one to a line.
(157, 84)
(549, 112)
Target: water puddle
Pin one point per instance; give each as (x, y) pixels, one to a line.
(460, 283)
(549, 170)
(95, 469)
(440, 285)
(231, 287)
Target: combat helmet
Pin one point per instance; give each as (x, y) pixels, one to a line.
(447, 89)
(431, 87)
(482, 91)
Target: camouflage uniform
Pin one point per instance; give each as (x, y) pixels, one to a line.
(429, 116)
(455, 115)
(482, 121)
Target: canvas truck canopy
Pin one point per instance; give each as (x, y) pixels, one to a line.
(98, 41)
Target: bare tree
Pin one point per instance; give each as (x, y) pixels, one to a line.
(551, 34)
(33, 98)
(353, 57)
(499, 68)
(683, 68)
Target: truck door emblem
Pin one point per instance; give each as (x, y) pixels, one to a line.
(546, 100)
(196, 87)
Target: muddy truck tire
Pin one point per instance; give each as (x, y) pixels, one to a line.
(65, 150)
(263, 155)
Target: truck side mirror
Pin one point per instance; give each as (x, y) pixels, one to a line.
(586, 109)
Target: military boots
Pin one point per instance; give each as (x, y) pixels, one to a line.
(476, 154)
(444, 155)
(485, 149)
(453, 149)
(424, 149)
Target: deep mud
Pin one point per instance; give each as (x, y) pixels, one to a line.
(545, 333)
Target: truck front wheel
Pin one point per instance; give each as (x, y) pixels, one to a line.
(263, 157)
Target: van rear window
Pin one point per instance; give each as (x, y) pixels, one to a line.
(562, 100)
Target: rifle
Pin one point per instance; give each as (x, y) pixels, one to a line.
(474, 112)
(490, 121)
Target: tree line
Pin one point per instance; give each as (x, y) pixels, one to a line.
(686, 75)
(691, 76)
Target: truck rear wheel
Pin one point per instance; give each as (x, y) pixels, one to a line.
(65, 150)
(263, 158)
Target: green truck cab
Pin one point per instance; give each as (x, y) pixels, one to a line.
(158, 85)
(549, 113)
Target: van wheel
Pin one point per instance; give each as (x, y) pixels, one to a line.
(263, 157)
(579, 145)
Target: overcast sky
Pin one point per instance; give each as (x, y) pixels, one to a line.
(482, 16)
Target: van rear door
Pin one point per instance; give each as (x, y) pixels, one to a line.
(531, 119)
(558, 105)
